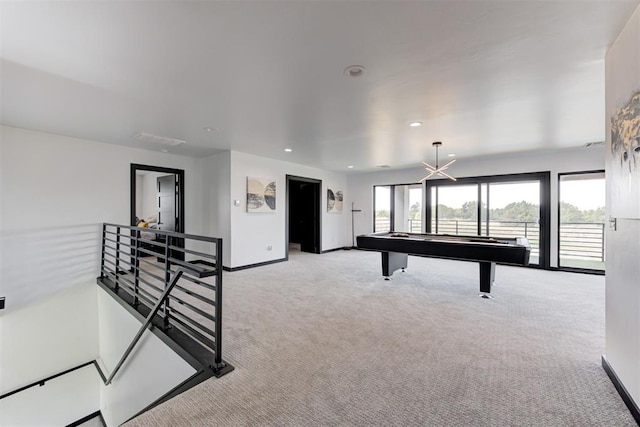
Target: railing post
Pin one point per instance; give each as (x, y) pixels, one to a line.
(217, 363)
(167, 278)
(104, 244)
(136, 273)
(456, 226)
(117, 285)
(525, 228)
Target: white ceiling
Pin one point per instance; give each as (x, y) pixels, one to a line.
(485, 77)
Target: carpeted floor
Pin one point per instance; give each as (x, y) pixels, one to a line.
(324, 340)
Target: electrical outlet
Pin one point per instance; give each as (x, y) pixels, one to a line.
(269, 247)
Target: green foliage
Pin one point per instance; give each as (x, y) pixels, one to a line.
(521, 211)
(415, 211)
(570, 213)
(516, 211)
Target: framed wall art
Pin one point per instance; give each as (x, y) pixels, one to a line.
(261, 194)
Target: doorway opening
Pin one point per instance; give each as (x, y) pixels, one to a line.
(157, 200)
(303, 214)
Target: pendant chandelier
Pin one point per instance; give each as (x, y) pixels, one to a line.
(437, 170)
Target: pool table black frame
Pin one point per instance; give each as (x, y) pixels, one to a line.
(487, 251)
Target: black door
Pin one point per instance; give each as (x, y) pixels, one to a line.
(304, 213)
(168, 212)
(167, 203)
(309, 195)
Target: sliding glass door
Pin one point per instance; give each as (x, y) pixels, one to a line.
(514, 211)
(454, 209)
(582, 221)
(497, 206)
(407, 208)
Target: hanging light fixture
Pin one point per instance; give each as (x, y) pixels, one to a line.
(437, 170)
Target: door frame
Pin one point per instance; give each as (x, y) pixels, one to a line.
(179, 172)
(318, 223)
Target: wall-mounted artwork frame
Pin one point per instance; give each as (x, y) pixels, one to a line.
(335, 200)
(625, 156)
(261, 195)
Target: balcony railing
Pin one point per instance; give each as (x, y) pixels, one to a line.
(578, 241)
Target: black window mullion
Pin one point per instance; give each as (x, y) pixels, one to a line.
(479, 209)
(392, 208)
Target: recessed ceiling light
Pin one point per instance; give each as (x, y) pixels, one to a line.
(415, 124)
(288, 150)
(354, 71)
(164, 150)
(451, 155)
(212, 130)
(350, 167)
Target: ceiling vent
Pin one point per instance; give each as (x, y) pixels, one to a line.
(161, 140)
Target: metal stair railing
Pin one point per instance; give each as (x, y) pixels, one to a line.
(169, 280)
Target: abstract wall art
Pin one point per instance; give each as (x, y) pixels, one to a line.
(625, 156)
(261, 194)
(334, 201)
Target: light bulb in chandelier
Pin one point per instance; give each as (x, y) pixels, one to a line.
(437, 170)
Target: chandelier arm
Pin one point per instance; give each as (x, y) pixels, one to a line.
(447, 175)
(449, 164)
(427, 177)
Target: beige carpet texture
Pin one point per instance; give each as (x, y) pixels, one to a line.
(324, 340)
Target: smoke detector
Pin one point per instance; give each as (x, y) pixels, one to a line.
(354, 71)
(155, 139)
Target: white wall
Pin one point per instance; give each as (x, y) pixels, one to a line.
(151, 371)
(252, 233)
(217, 200)
(623, 244)
(47, 337)
(55, 192)
(59, 402)
(56, 187)
(568, 160)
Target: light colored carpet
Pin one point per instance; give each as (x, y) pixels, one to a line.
(324, 340)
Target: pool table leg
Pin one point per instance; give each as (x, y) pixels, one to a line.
(391, 261)
(487, 276)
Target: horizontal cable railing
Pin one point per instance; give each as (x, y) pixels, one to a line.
(178, 275)
(579, 241)
(582, 241)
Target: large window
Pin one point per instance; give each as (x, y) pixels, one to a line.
(382, 208)
(582, 220)
(497, 206)
(398, 208)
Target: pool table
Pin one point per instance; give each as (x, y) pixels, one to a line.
(487, 251)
